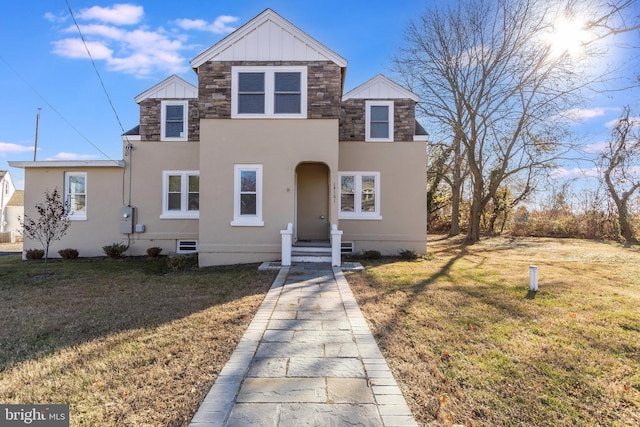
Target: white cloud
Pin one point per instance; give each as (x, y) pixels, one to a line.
(575, 173)
(10, 148)
(596, 147)
(580, 114)
(138, 51)
(118, 14)
(634, 120)
(72, 156)
(218, 26)
(57, 19)
(74, 48)
(107, 31)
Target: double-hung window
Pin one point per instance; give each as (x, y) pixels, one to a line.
(259, 92)
(75, 191)
(247, 195)
(359, 195)
(174, 123)
(379, 121)
(180, 194)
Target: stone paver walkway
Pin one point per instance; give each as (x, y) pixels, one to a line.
(308, 358)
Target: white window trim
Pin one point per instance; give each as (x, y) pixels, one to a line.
(357, 213)
(184, 213)
(269, 91)
(247, 220)
(76, 216)
(163, 120)
(367, 114)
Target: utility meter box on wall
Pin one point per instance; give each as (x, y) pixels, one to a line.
(126, 219)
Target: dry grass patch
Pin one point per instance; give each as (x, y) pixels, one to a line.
(470, 345)
(122, 342)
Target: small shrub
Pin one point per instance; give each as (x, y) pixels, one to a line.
(408, 255)
(35, 254)
(68, 253)
(115, 250)
(371, 254)
(179, 262)
(154, 252)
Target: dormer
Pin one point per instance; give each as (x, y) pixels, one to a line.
(269, 68)
(379, 110)
(169, 111)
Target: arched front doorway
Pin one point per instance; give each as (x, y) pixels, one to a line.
(312, 201)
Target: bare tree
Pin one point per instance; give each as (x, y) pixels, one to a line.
(620, 164)
(490, 79)
(50, 225)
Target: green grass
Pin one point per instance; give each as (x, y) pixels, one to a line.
(124, 342)
(470, 345)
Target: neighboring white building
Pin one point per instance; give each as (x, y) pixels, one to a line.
(11, 207)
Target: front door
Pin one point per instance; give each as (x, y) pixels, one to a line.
(312, 194)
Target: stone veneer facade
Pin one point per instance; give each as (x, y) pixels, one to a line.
(324, 93)
(324, 88)
(352, 120)
(150, 120)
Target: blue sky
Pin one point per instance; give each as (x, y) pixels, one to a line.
(137, 44)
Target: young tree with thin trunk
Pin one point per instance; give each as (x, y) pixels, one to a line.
(492, 78)
(620, 167)
(50, 225)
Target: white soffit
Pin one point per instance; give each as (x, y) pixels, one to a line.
(268, 37)
(172, 87)
(380, 87)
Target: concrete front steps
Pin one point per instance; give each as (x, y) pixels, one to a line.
(317, 251)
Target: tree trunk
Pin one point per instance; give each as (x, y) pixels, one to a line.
(455, 210)
(625, 226)
(623, 212)
(475, 214)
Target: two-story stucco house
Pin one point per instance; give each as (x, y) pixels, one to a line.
(267, 151)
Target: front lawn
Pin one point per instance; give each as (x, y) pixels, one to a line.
(124, 342)
(470, 345)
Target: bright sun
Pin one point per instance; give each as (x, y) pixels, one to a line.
(568, 37)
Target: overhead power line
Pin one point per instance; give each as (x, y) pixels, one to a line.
(54, 109)
(104, 88)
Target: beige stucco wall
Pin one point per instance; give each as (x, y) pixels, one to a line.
(147, 161)
(403, 197)
(279, 145)
(103, 208)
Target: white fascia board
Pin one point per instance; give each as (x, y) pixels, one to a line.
(68, 164)
(394, 90)
(265, 16)
(171, 80)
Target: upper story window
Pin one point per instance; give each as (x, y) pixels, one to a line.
(259, 92)
(75, 192)
(174, 123)
(180, 194)
(379, 121)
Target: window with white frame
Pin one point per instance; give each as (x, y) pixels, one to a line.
(180, 194)
(247, 195)
(259, 92)
(174, 123)
(379, 121)
(359, 195)
(75, 191)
